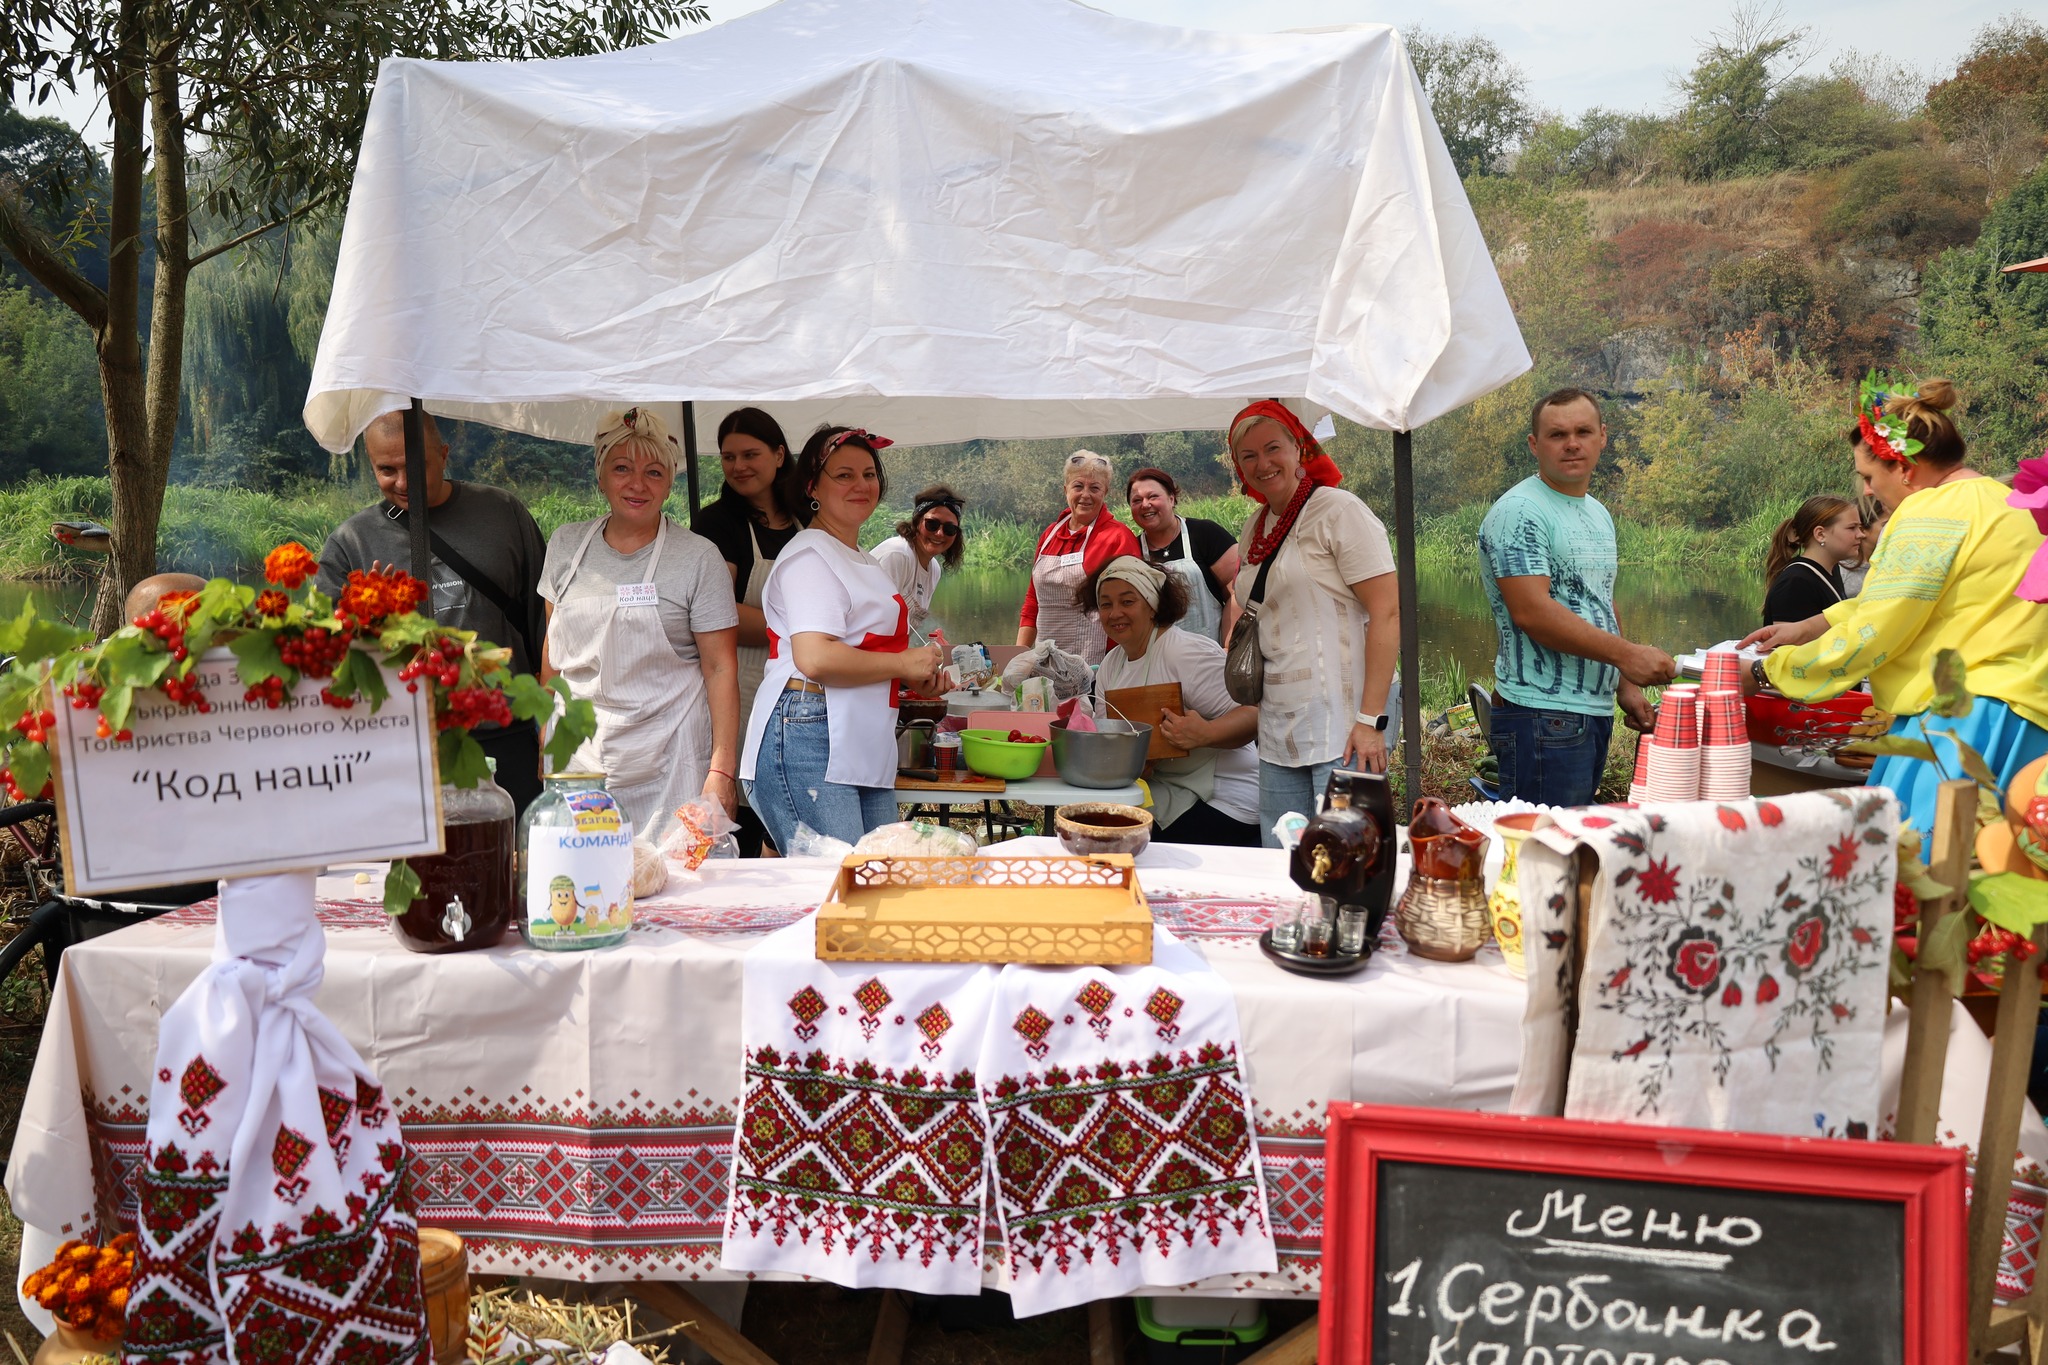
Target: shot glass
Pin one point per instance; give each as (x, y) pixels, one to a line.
(1317, 932)
(1351, 931)
(1287, 926)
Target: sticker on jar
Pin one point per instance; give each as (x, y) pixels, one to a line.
(579, 882)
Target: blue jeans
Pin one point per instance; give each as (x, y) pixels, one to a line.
(1554, 758)
(789, 779)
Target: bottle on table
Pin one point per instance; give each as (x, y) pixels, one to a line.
(575, 866)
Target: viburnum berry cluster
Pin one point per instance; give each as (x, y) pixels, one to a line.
(1993, 941)
(280, 635)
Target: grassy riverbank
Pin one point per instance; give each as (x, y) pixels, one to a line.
(228, 530)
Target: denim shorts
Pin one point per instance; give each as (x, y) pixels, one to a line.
(1554, 758)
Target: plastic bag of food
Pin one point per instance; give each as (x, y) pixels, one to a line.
(1069, 674)
(702, 831)
(650, 869)
(805, 842)
(916, 839)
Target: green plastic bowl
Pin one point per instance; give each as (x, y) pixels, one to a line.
(987, 752)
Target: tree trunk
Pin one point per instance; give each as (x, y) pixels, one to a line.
(134, 520)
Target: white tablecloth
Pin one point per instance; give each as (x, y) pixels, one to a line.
(571, 1113)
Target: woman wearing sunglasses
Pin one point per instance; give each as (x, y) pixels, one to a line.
(923, 546)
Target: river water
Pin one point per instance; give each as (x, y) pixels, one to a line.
(1676, 610)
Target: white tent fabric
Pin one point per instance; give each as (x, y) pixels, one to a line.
(940, 219)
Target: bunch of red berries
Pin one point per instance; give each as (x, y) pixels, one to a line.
(168, 628)
(270, 692)
(35, 725)
(106, 731)
(314, 651)
(440, 661)
(1996, 942)
(1905, 905)
(187, 692)
(84, 694)
(335, 699)
(474, 706)
(13, 788)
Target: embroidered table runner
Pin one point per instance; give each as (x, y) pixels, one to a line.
(1110, 1101)
(1120, 1134)
(1736, 966)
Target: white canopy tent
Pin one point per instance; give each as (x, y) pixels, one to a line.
(939, 219)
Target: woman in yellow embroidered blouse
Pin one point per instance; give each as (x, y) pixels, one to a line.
(1941, 578)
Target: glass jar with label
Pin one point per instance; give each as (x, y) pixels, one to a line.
(575, 866)
(465, 899)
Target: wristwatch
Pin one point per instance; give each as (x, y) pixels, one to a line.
(1367, 718)
(1757, 674)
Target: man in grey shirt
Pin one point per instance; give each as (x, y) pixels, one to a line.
(485, 572)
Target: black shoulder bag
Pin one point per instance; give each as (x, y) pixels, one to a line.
(478, 579)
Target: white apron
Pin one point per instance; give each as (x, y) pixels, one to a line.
(653, 740)
(860, 722)
(1205, 613)
(1056, 577)
(753, 658)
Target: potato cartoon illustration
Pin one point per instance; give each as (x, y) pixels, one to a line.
(562, 901)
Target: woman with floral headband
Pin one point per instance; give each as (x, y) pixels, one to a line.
(1943, 579)
(821, 744)
(1318, 563)
(641, 623)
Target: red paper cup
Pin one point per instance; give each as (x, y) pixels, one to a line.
(1723, 669)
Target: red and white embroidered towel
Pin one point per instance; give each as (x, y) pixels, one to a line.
(272, 1226)
(1119, 1130)
(860, 1147)
(1736, 971)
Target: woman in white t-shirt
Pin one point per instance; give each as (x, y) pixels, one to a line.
(1211, 794)
(922, 548)
(641, 623)
(1329, 614)
(821, 742)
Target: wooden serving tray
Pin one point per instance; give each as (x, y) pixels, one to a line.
(990, 909)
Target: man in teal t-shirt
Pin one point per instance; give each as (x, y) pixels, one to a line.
(1547, 553)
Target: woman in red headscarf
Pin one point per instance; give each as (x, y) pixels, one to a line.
(1319, 564)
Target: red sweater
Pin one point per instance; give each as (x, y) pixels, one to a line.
(1107, 539)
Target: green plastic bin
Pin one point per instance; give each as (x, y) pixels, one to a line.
(1201, 1331)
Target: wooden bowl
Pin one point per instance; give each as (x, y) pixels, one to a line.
(1103, 827)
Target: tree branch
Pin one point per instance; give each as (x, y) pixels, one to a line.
(27, 244)
(201, 257)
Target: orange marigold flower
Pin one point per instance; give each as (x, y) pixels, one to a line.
(117, 1299)
(290, 565)
(79, 1287)
(271, 602)
(183, 603)
(112, 1274)
(369, 598)
(125, 1244)
(76, 1253)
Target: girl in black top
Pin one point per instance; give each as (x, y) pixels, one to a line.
(1804, 563)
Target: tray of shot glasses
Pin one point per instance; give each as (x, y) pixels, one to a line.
(1316, 937)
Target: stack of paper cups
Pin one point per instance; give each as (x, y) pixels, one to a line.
(1724, 747)
(1723, 672)
(1639, 785)
(1675, 748)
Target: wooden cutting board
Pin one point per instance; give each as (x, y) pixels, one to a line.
(906, 781)
(1141, 706)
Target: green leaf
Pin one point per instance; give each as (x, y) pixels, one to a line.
(2008, 900)
(1951, 685)
(368, 677)
(117, 705)
(401, 887)
(530, 698)
(1946, 949)
(462, 759)
(46, 639)
(256, 658)
(578, 722)
(130, 659)
(30, 764)
(1973, 764)
(1896, 746)
(13, 632)
(1902, 972)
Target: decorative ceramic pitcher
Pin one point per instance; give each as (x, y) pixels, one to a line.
(1442, 914)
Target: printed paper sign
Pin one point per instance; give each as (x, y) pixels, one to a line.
(244, 789)
(639, 595)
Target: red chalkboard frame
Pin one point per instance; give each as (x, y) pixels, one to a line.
(1927, 1182)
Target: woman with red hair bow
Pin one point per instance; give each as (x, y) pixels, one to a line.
(1318, 564)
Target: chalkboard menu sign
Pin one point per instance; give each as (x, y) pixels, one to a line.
(1479, 1239)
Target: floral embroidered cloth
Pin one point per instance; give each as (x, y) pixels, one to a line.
(861, 1140)
(1110, 1102)
(1119, 1130)
(1735, 967)
(273, 1225)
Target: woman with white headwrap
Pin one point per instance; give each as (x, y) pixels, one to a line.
(1069, 550)
(641, 622)
(1210, 796)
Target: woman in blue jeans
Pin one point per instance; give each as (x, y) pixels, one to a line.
(821, 742)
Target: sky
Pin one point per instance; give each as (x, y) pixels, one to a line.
(1577, 54)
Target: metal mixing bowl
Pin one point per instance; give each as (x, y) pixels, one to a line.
(1112, 756)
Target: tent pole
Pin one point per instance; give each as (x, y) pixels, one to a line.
(1411, 624)
(416, 500)
(690, 455)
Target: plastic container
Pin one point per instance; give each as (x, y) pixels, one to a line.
(990, 753)
(466, 898)
(1200, 1331)
(575, 866)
